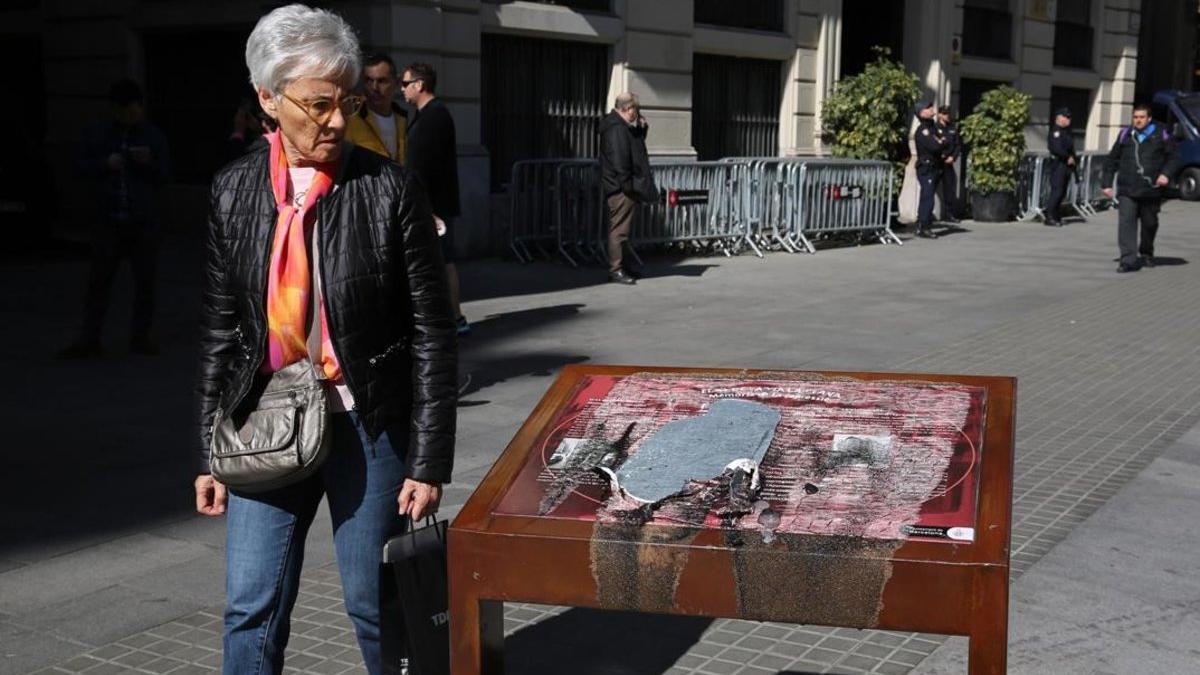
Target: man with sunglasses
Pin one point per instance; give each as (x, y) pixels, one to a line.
(433, 155)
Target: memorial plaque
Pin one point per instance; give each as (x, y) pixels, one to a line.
(845, 499)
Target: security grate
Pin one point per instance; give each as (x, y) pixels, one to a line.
(541, 98)
(735, 106)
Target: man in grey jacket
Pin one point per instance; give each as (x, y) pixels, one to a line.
(624, 176)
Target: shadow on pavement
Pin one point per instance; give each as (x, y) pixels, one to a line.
(480, 370)
(499, 279)
(595, 642)
(1166, 261)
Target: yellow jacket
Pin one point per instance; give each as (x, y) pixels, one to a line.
(361, 131)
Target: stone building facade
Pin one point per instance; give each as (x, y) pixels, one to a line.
(523, 78)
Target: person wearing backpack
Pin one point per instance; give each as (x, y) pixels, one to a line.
(1141, 162)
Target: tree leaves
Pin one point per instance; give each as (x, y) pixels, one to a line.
(995, 134)
(867, 115)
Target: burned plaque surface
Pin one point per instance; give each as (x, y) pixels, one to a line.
(886, 460)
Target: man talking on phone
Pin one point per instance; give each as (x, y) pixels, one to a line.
(125, 160)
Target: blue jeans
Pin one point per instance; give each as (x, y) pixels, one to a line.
(264, 547)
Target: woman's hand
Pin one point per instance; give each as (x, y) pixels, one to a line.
(210, 496)
(418, 499)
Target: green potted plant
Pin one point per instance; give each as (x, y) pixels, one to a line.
(867, 115)
(995, 138)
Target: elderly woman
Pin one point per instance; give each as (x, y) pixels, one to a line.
(321, 253)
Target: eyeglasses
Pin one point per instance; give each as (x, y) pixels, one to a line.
(321, 109)
(405, 83)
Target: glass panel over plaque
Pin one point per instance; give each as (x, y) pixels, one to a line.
(776, 453)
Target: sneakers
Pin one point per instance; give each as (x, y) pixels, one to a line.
(462, 326)
(621, 277)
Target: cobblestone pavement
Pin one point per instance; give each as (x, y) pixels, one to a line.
(1109, 375)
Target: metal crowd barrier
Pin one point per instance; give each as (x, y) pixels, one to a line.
(1084, 195)
(533, 208)
(755, 203)
(700, 205)
(829, 195)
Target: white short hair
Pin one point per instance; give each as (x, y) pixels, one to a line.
(625, 101)
(297, 41)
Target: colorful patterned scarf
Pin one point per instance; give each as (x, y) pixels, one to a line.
(289, 277)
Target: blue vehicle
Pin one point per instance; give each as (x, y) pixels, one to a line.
(1180, 110)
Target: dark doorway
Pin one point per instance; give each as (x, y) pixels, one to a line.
(867, 24)
(735, 107)
(541, 98)
(194, 81)
(970, 91)
(26, 189)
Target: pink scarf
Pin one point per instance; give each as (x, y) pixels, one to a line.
(289, 277)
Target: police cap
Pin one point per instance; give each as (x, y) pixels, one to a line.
(1064, 111)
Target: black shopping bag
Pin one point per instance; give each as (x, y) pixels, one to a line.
(414, 578)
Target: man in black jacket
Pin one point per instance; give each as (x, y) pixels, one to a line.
(624, 176)
(951, 149)
(433, 155)
(1061, 164)
(929, 167)
(1142, 162)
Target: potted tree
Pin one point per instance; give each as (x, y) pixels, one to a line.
(867, 115)
(995, 138)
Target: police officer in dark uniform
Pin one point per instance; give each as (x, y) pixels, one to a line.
(929, 166)
(1061, 164)
(951, 149)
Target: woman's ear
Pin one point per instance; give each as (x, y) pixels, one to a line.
(269, 103)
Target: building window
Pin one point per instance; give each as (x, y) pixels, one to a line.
(540, 99)
(735, 106)
(604, 6)
(755, 14)
(1073, 34)
(971, 91)
(1079, 101)
(987, 29)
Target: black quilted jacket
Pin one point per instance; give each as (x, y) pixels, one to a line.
(385, 294)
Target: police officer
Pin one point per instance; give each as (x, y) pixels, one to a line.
(929, 166)
(1061, 163)
(951, 149)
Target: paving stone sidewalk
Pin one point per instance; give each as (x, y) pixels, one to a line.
(1109, 376)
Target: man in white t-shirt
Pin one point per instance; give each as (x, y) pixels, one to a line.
(382, 125)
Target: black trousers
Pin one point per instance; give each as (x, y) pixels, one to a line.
(1060, 175)
(951, 207)
(1130, 212)
(928, 174)
(112, 242)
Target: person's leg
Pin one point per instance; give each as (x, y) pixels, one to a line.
(106, 257)
(446, 241)
(1058, 190)
(949, 181)
(620, 211)
(1148, 214)
(1127, 214)
(144, 260)
(264, 550)
(363, 479)
(927, 179)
